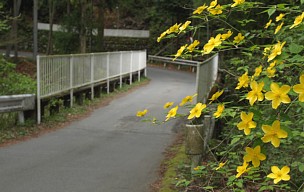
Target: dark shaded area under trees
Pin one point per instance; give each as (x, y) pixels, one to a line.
(82, 18)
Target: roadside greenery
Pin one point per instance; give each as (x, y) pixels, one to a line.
(260, 107)
(12, 82)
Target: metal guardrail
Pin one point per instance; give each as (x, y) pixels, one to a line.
(206, 76)
(20, 103)
(58, 74)
(178, 62)
(206, 72)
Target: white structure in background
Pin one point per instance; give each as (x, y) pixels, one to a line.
(107, 32)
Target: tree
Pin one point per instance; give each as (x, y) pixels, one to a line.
(14, 29)
(52, 11)
(99, 9)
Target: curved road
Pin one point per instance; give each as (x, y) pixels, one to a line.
(109, 151)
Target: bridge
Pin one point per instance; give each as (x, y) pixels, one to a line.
(111, 150)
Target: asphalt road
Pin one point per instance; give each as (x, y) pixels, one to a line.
(109, 151)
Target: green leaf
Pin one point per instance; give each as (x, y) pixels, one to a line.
(208, 187)
(301, 167)
(297, 58)
(302, 2)
(271, 11)
(281, 6)
(239, 184)
(295, 48)
(234, 140)
(264, 188)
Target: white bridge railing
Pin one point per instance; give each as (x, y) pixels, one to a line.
(58, 74)
(206, 74)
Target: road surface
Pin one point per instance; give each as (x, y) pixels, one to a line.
(109, 151)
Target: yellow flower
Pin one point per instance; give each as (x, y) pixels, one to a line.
(256, 92)
(220, 109)
(273, 64)
(161, 36)
(238, 38)
(174, 28)
(141, 113)
(192, 46)
(243, 81)
(180, 51)
(184, 26)
(200, 9)
(268, 24)
(221, 165)
(279, 174)
(298, 20)
(279, 27)
(270, 72)
(242, 169)
(237, 2)
(254, 155)
(212, 4)
(226, 35)
(212, 43)
(217, 10)
(273, 133)
(197, 168)
(266, 51)
(278, 95)
(257, 71)
(168, 104)
(299, 88)
(246, 124)
(197, 110)
(187, 99)
(216, 95)
(276, 50)
(171, 113)
(280, 17)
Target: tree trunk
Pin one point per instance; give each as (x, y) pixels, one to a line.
(82, 32)
(35, 29)
(68, 7)
(14, 30)
(51, 21)
(100, 26)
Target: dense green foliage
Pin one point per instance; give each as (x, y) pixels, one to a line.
(259, 103)
(12, 82)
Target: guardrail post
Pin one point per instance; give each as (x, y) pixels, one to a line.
(21, 117)
(120, 70)
(71, 81)
(108, 73)
(145, 70)
(92, 75)
(131, 68)
(38, 91)
(138, 68)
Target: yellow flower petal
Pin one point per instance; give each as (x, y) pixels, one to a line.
(298, 20)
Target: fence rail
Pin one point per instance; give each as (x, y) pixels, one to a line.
(60, 74)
